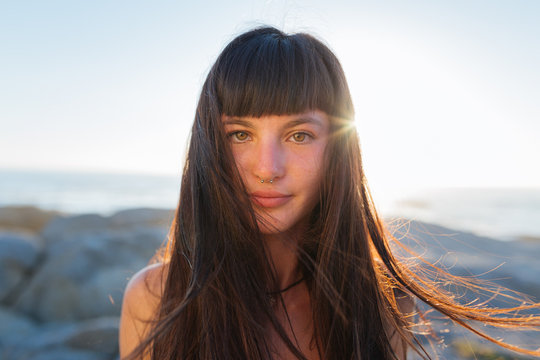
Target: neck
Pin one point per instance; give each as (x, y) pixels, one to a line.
(283, 253)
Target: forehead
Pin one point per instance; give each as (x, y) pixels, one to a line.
(313, 118)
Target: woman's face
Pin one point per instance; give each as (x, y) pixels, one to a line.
(280, 161)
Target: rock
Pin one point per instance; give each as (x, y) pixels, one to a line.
(27, 218)
(103, 293)
(69, 227)
(81, 275)
(142, 217)
(59, 353)
(14, 328)
(19, 253)
(89, 259)
(91, 339)
(97, 335)
(512, 265)
(468, 254)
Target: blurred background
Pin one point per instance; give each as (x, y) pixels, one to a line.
(97, 100)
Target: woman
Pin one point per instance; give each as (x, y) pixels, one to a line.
(276, 251)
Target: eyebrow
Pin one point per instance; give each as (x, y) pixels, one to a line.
(237, 121)
(303, 120)
(298, 121)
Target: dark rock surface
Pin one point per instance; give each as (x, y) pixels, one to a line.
(19, 255)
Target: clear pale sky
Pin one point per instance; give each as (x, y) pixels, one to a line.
(446, 92)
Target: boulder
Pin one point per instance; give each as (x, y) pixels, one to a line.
(83, 277)
(95, 335)
(66, 228)
(57, 353)
(91, 339)
(27, 218)
(141, 217)
(19, 254)
(69, 227)
(14, 328)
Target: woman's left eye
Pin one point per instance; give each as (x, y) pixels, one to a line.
(240, 136)
(300, 137)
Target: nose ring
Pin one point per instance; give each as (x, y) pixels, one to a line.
(270, 181)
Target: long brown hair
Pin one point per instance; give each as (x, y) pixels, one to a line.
(215, 298)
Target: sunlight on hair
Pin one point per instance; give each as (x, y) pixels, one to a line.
(344, 125)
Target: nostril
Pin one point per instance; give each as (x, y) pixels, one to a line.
(271, 180)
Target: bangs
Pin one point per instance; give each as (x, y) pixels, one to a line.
(268, 72)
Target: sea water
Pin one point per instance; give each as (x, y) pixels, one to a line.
(506, 213)
(502, 213)
(76, 193)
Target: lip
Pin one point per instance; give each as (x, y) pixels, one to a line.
(270, 199)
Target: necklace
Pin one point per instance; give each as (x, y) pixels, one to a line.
(273, 294)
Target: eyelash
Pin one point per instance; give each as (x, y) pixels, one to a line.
(307, 135)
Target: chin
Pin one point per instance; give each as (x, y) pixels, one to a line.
(269, 228)
(274, 227)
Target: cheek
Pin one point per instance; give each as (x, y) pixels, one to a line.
(312, 164)
(240, 162)
(319, 168)
(310, 173)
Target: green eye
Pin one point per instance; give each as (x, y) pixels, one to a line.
(240, 135)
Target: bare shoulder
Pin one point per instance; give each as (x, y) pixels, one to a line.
(148, 282)
(406, 306)
(139, 306)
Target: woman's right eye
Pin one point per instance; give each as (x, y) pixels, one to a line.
(239, 136)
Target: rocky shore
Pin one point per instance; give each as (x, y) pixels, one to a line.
(62, 277)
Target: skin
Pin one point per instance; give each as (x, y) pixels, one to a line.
(141, 300)
(288, 149)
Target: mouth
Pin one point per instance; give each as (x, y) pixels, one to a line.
(270, 199)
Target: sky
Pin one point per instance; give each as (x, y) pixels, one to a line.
(446, 92)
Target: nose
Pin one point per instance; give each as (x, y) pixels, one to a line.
(269, 160)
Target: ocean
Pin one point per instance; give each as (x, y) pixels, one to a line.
(505, 213)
